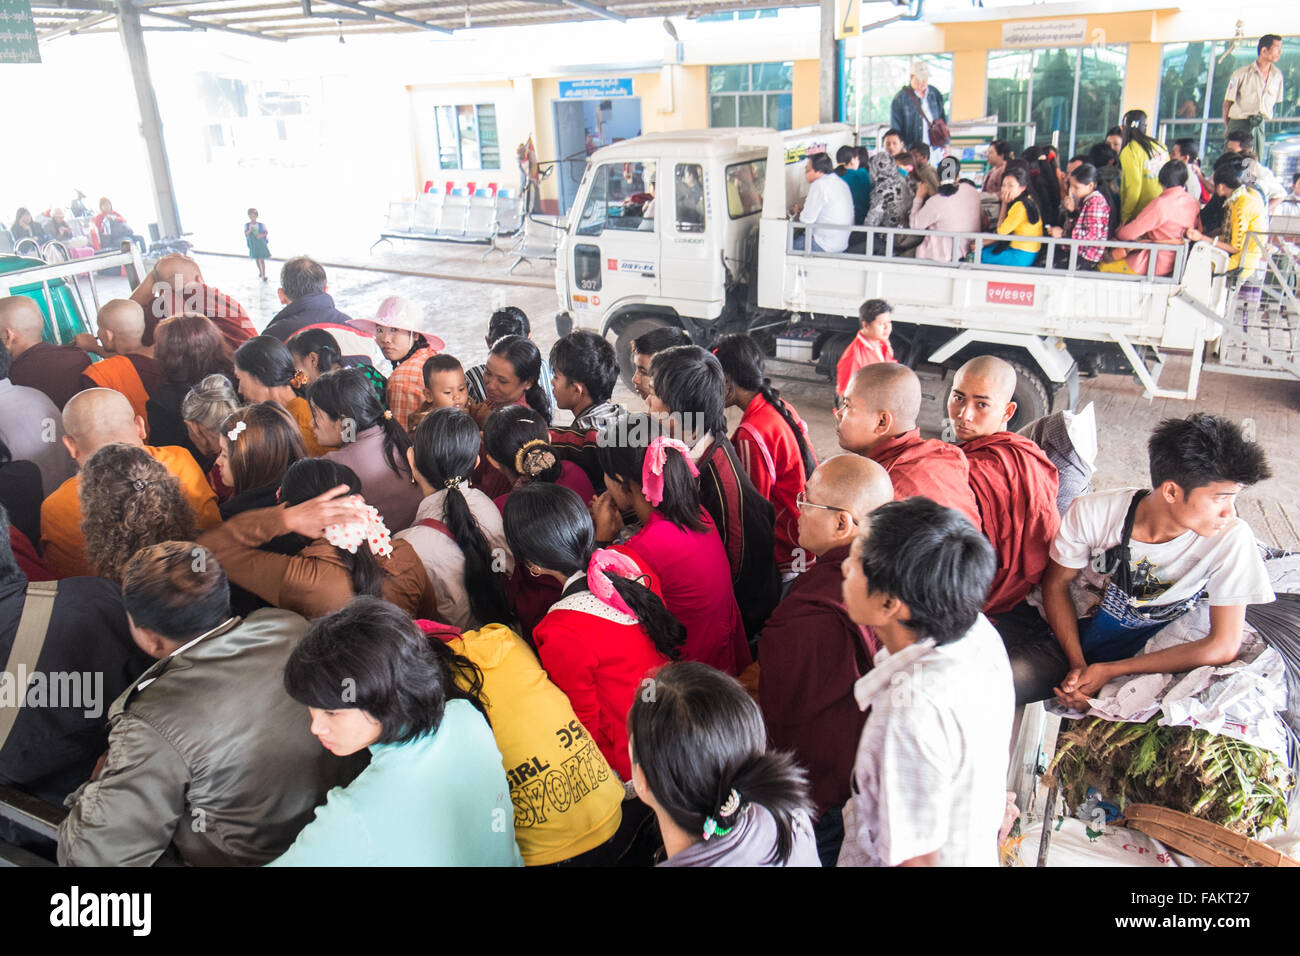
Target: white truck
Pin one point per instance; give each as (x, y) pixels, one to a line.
(691, 229)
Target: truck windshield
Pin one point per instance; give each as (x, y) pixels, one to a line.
(622, 196)
(745, 183)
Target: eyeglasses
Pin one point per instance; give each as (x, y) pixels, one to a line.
(801, 501)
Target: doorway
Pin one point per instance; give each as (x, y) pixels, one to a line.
(581, 128)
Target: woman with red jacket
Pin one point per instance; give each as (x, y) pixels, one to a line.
(771, 439)
(677, 540)
(608, 632)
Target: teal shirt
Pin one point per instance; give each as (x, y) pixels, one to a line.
(439, 800)
(859, 183)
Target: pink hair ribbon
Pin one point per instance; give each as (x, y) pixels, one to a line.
(603, 561)
(652, 470)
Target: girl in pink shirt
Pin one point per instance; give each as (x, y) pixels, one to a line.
(677, 539)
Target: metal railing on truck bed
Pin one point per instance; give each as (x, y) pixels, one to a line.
(1039, 308)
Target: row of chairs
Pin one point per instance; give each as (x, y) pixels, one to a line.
(436, 216)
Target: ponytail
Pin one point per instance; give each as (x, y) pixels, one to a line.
(701, 743)
(363, 567)
(624, 461)
(308, 477)
(1135, 128)
(446, 444)
(348, 393)
(667, 633)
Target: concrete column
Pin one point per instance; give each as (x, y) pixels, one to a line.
(128, 19)
(828, 77)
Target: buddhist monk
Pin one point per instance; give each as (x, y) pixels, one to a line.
(1014, 483)
(92, 419)
(812, 652)
(53, 369)
(129, 367)
(878, 421)
(176, 286)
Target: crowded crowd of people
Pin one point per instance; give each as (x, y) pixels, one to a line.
(346, 618)
(1126, 188)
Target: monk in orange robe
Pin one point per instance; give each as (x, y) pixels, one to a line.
(129, 365)
(878, 421)
(92, 419)
(1014, 482)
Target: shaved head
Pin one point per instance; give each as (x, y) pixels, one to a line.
(852, 482)
(980, 402)
(21, 323)
(124, 321)
(889, 387)
(839, 495)
(178, 270)
(98, 417)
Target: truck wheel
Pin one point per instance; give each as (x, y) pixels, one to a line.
(1033, 401)
(623, 344)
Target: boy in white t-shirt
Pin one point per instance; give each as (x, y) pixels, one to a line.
(1184, 544)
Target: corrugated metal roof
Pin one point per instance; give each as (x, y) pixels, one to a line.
(288, 19)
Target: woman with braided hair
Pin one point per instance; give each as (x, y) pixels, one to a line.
(358, 431)
(771, 440)
(265, 372)
(457, 530)
(608, 631)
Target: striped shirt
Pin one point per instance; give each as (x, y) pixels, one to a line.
(1092, 222)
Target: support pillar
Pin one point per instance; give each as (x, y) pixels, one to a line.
(164, 195)
(827, 74)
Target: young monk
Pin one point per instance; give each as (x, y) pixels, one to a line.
(878, 421)
(1014, 482)
(129, 367)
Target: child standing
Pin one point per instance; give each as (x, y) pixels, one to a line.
(255, 236)
(869, 346)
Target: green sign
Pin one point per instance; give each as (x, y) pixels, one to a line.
(18, 33)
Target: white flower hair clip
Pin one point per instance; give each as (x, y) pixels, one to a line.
(235, 432)
(369, 529)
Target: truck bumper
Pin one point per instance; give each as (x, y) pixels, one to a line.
(563, 324)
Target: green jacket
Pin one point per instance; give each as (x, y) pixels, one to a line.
(208, 758)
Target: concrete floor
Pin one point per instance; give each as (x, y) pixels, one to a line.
(461, 287)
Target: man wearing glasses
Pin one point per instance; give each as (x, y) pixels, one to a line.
(812, 651)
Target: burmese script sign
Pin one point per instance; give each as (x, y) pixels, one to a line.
(1041, 33)
(18, 33)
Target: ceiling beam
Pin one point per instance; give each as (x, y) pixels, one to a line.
(336, 15)
(77, 25)
(385, 15)
(202, 25)
(597, 9)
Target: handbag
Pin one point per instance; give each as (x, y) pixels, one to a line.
(939, 135)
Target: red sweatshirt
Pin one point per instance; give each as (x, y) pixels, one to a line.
(769, 453)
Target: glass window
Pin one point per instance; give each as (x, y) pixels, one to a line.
(752, 94)
(733, 78)
(467, 137)
(745, 183)
(1101, 91)
(722, 111)
(1070, 92)
(883, 77)
(689, 180)
(621, 197)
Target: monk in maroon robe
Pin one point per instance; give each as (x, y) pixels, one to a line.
(1014, 483)
(878, 421)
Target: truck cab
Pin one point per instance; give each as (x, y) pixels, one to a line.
(664, 231)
